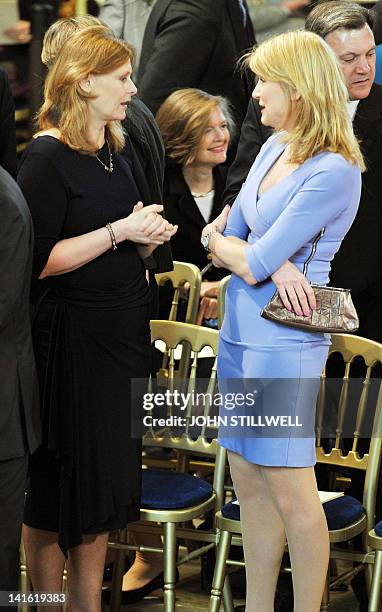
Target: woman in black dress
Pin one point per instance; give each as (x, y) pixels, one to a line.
(92, 304)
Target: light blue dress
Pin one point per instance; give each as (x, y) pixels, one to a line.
(281, 224)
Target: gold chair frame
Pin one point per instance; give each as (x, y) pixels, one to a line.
(174, 333)
(230, 530)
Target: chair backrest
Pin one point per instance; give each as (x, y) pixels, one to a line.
(221, 298)
(358, 404)
(196, 403)
(181, 274)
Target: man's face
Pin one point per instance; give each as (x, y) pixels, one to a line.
(355, 50)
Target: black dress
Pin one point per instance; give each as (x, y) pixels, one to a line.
(91, 336)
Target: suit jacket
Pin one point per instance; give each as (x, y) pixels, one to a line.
(148, 145)
(358, 262)
(19, 409)
(181, 210)
(7, 126)
(196, 43)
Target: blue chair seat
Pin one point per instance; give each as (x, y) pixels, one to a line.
(343, 511)
(166, 490)
(340, 512)
(231, 511)
(378, 529)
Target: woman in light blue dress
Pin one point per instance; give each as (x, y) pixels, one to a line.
(306, 177)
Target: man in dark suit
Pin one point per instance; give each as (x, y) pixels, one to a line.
(346, 27)
(196, 43)
(19, 410)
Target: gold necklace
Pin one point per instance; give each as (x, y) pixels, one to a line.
(202, 195)
(110, 167)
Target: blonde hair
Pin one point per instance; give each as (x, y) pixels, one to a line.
(95, 51)
(183, 118)
(302, 62)
(62, 29)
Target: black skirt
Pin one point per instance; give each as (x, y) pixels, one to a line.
(86, 477)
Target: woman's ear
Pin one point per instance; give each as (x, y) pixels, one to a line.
(295, 95)
(86, 84)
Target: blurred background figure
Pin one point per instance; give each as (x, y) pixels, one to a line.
(271, 17)
(197, 43)
(196, 128)
(128, 18)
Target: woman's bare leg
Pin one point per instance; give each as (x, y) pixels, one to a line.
(45, 561)
(263, 533)
(294, 492)
(85, 573)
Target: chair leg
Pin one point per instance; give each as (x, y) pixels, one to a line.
(228, 604)
(222, 553)
(375, 591)
(325, 596)
(169, 562)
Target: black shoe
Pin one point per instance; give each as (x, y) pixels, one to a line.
(130, 597)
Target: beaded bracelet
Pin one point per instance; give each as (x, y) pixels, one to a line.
(112, 236)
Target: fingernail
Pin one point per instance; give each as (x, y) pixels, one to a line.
(307, 313)
(289, 308)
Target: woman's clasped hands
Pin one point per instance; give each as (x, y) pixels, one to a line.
(145, 226)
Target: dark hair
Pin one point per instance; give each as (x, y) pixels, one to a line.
(329, 16)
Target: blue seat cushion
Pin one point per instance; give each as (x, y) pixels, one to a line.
(340, 512)
(343, 511)
(231, 511)
(378, 529)
(166, 490)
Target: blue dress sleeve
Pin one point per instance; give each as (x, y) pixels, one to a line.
(330, 190)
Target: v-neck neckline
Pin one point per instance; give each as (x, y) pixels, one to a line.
(268, 169)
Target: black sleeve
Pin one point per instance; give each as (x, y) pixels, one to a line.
(47, 198)
(252, 137)
(181, 50)
(7, 127)
(14, 252)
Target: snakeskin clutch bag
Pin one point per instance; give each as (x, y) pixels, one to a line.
(335, 310)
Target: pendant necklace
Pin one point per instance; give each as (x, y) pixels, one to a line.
(109, 168)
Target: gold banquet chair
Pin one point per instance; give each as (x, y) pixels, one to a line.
(347, 517)
(172, 498)
(182, 274)
(374, 540)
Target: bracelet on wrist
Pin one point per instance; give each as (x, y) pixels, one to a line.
(109, 228)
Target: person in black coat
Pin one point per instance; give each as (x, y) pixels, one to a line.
(7, 127)
(196, 43)
(19, 412)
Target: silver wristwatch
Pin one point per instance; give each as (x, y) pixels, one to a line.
(206, 238)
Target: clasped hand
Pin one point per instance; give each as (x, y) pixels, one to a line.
(145, 225)
(295, 291)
